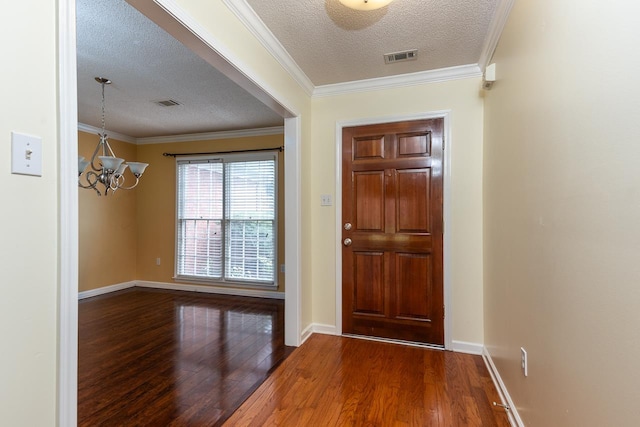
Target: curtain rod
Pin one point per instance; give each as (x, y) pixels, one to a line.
(222, 152)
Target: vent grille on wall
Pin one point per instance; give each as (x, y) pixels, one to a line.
(407, 55)
(167, 103)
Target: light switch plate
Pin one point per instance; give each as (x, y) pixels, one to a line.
(26, 154)
(326, 200)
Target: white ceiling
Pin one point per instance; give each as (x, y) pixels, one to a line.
(334, 44)
(328, 44)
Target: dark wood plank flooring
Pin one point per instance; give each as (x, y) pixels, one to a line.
(165, 358)
(339, 381)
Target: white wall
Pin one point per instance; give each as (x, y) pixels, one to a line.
(562, 209)
(29, 217)
(462, 97)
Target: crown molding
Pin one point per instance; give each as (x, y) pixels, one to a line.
(411, 79)
(207, 136)
(187, 137)
(500, 17)
(257, 27)
(115, 135)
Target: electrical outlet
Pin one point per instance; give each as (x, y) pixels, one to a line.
(157, 261)
(524, 362)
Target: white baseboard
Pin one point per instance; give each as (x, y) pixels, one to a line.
(512, 413)
(306, 333)
(105, 290)
(317, 328)
(467, 347)
(259, 293)
(458, 346)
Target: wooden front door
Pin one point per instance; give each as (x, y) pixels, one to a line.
(392, 262)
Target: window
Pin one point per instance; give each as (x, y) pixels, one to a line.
(226, 225)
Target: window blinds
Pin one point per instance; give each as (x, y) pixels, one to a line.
(226, 225)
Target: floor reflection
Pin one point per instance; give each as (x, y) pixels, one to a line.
(153, 357)
(231, 346)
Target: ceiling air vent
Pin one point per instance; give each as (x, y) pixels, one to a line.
(407, 55)
(167, 103)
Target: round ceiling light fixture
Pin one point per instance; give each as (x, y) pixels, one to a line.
(365, 4)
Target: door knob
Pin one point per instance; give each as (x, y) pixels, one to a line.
(347, 242)
(347, 226)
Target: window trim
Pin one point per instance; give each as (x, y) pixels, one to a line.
(245, 156)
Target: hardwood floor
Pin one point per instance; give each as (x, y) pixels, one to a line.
(338, 381)
(164, 358)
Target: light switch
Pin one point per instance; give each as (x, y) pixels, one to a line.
(26, 154)
(326, 200)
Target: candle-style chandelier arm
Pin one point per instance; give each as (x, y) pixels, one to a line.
(90, 183)
(136, 168)
(94, 156)
(119, 184)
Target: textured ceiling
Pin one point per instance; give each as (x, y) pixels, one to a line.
(146, 65)
(334, 44)
(328, 42)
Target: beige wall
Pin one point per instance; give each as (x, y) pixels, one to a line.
(562, 203)
(157, 201)
(29, 217)
(462, 98)
(106, 256)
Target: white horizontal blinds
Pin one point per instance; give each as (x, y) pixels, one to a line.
(250, 207)
(200, 219)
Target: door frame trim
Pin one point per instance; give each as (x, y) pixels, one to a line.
(446, 205)
(67, 145)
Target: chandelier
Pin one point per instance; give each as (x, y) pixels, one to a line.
(109, 172)
(365, 4)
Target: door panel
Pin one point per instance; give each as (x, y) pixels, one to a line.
(392, 194)
(368, 148)
(415, 144)
(368, 188)
(368, 283)
(413, 200)
(413, 300)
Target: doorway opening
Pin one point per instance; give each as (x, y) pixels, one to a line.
(180, 25)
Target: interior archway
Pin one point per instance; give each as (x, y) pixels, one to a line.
(68, 198)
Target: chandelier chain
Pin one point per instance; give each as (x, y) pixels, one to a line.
(103, 125)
